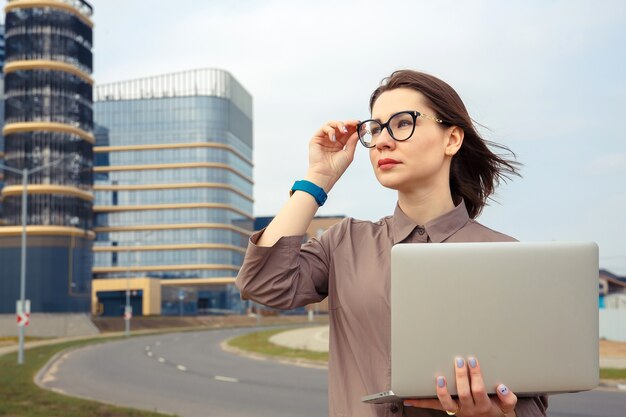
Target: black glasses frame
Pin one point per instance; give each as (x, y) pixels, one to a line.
(414, 114)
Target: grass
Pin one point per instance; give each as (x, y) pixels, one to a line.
(21, 397)
(259, 342)
(610, 373)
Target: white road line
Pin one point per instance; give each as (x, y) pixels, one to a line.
(181, 368)
(149, 354)
(161, 360)
(225, 379)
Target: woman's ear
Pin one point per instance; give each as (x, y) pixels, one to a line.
(454, 140)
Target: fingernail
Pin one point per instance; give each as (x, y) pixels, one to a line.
(503, 389)
(472, 362)
(459, 362)
(441, 382)
(333, 138)
(344, 129)
(407, 404)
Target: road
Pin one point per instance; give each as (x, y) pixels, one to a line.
(189, 375)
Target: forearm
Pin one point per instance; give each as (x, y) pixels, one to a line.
(295, 216)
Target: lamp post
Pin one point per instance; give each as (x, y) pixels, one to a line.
(25, 173)
(127, 308)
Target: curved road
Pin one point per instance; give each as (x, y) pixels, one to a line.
(188, 374)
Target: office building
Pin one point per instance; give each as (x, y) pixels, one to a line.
(48, 131)
(173, 193)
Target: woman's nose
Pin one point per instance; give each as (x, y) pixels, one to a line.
(384, 140)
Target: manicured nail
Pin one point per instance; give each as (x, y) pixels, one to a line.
(333, 138)
(459, 362)
(344, 129)
(503, 389)
(441, 382)
(407, 404)
(472, 362)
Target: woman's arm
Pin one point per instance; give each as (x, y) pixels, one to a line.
(277, 271)
(331, 151)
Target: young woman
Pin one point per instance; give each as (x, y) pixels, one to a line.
(423, 144)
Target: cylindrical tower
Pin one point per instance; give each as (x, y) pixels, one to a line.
(49, 125)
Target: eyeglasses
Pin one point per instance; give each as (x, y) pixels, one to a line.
(400, 126)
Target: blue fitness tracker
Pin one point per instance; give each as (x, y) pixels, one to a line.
(308, 187)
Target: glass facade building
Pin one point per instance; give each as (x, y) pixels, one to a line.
(173, 189)
(48, 131)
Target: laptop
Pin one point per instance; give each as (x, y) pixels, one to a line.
(527, 311)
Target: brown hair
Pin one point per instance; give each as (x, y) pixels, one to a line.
(475, 170)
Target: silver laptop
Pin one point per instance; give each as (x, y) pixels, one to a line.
(527, 311)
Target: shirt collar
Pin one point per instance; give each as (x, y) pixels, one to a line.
(438, 229)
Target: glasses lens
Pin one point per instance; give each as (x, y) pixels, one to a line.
(368, 132)
(401, 126)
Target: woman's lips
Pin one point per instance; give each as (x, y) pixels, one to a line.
(387, 163)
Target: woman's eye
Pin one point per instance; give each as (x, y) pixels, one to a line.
(404, 123)
(375, 130)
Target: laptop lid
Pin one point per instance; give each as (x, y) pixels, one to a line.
(527, 311)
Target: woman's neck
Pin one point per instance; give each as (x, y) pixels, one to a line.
(426, 205)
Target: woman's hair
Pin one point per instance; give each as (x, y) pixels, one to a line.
(475, 170)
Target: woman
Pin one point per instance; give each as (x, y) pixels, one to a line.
(422, 143)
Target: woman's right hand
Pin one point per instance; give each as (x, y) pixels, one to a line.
(331, 151)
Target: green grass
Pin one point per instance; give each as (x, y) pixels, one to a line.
(258, 342)
(20, 397)
(609, 373)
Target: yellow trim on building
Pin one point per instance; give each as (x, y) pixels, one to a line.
(187, 282)
(47, 126)
(29, 4)
(148, 187)
(184, 246)
(34, 230)
(111, 209)
(173, 227)
(159, 146)
(148, 268)
(151, 287)
(43, 64)
(146, 167)
(16, 190)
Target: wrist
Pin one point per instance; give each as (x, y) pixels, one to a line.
(322, 181)
(311, 188)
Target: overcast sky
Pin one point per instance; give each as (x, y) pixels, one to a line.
(548, 78)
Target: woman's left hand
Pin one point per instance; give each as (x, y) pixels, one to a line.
(473, 400)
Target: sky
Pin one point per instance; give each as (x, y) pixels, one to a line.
(545, 78)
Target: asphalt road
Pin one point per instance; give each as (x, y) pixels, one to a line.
(189, 375)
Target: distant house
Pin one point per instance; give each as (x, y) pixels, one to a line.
(612, 290)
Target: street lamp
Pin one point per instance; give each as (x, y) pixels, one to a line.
(25, 173)
(127, 309)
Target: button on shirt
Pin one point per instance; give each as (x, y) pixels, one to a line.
(350, 264)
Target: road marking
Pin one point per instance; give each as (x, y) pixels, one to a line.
(225, 379)
(149, 354)
(181, 368)
(161, 360)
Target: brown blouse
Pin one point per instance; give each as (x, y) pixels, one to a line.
(350, 264)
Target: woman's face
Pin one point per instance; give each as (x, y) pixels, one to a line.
(420, 161)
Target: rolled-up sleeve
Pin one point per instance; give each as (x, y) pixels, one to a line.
(532, 407)
(286, 275)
